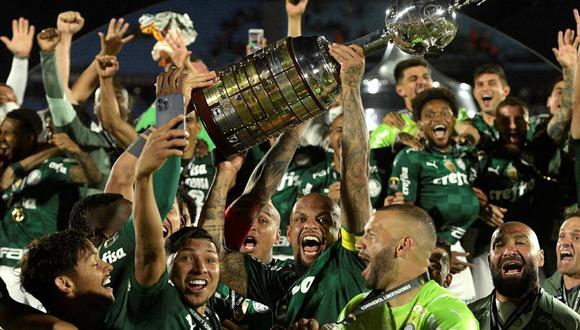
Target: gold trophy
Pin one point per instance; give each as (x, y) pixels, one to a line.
(295, 79)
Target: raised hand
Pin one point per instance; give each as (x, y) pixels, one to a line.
(162, 143)
(180, 53)
(298, 9)
(65, 143)
(567, 51)
(334, 192)
(107, 65)
(169, 82)
(22, 36)
(352, 64)
(192, 80)
(48, 39)
(394, 119)
(113, 42)
(69, 22)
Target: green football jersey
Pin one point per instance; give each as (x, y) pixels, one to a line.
(244, 312)
(327, 286)
(31, 207)
(319, 177)
(554, 285)
(320, 293)
(119, 250)
(196, 177)
(386, 135)
(432, 308)
(547, 313)
(161, 307)
(440, 184)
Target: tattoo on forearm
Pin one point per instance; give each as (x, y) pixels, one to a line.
(233, 272)
(355, 197)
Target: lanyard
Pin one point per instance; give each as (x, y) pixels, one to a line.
(376, 297)
(565, 298)
(495, 322)
(205, 322)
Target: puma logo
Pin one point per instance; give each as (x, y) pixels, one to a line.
(493, 170)
(432, 164)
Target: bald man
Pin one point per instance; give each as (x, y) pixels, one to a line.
(397, 261)
(518, 302)
(565, 283)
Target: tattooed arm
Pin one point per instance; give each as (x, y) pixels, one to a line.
(354, 192)
(566, 54)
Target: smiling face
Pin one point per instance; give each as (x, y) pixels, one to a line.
(437, 122)
(512, 125)
(313, 227)
(265, 232)
(568, 243)
(15, 144)
(514, 259)
(489, 90)
(91, 277)
(196, 271)
(414, 80)
(555, 98)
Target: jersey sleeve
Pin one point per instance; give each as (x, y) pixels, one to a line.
(267, 284)
(383, 136)
(58, 170)
(406, 174)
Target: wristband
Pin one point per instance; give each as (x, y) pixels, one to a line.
(17, 168)
(136, 147)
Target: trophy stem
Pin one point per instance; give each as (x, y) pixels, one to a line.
(373, 41)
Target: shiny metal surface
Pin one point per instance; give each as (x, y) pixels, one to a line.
(295, 79)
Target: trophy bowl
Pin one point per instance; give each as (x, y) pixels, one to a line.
(295, 79)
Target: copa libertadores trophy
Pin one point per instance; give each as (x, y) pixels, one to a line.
(295, 79)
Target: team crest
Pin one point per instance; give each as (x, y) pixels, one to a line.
(450, 165)
(409, 327)
(512, 172)
(393, 183)
(111, 240)
(34, 177)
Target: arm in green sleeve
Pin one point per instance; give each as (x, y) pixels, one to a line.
(165, 183)
(61, 109)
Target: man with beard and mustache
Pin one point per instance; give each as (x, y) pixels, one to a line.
(511, 178)
(328, 267)
(518, 302)
(438, 179)
(565, 283)
(398, 260)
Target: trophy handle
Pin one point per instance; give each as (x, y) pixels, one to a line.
(373, 41)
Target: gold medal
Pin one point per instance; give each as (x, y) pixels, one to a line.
(18, 214)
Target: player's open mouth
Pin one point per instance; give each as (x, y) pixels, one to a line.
(486, 100)
(196, 285)
(366, 261)
(249, 244)
(107, 284)
(439, 131)
(311, 245)
(566, 256)
(512, 268)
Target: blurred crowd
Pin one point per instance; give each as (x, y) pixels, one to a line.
(435, 220)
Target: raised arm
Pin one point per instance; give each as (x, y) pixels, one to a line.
(111, 44)
(354, 191)
(108, 109)
(20, 46)
(150, 258)
(294, 13)
(575, 126)
(566, 54)
(68, 23)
